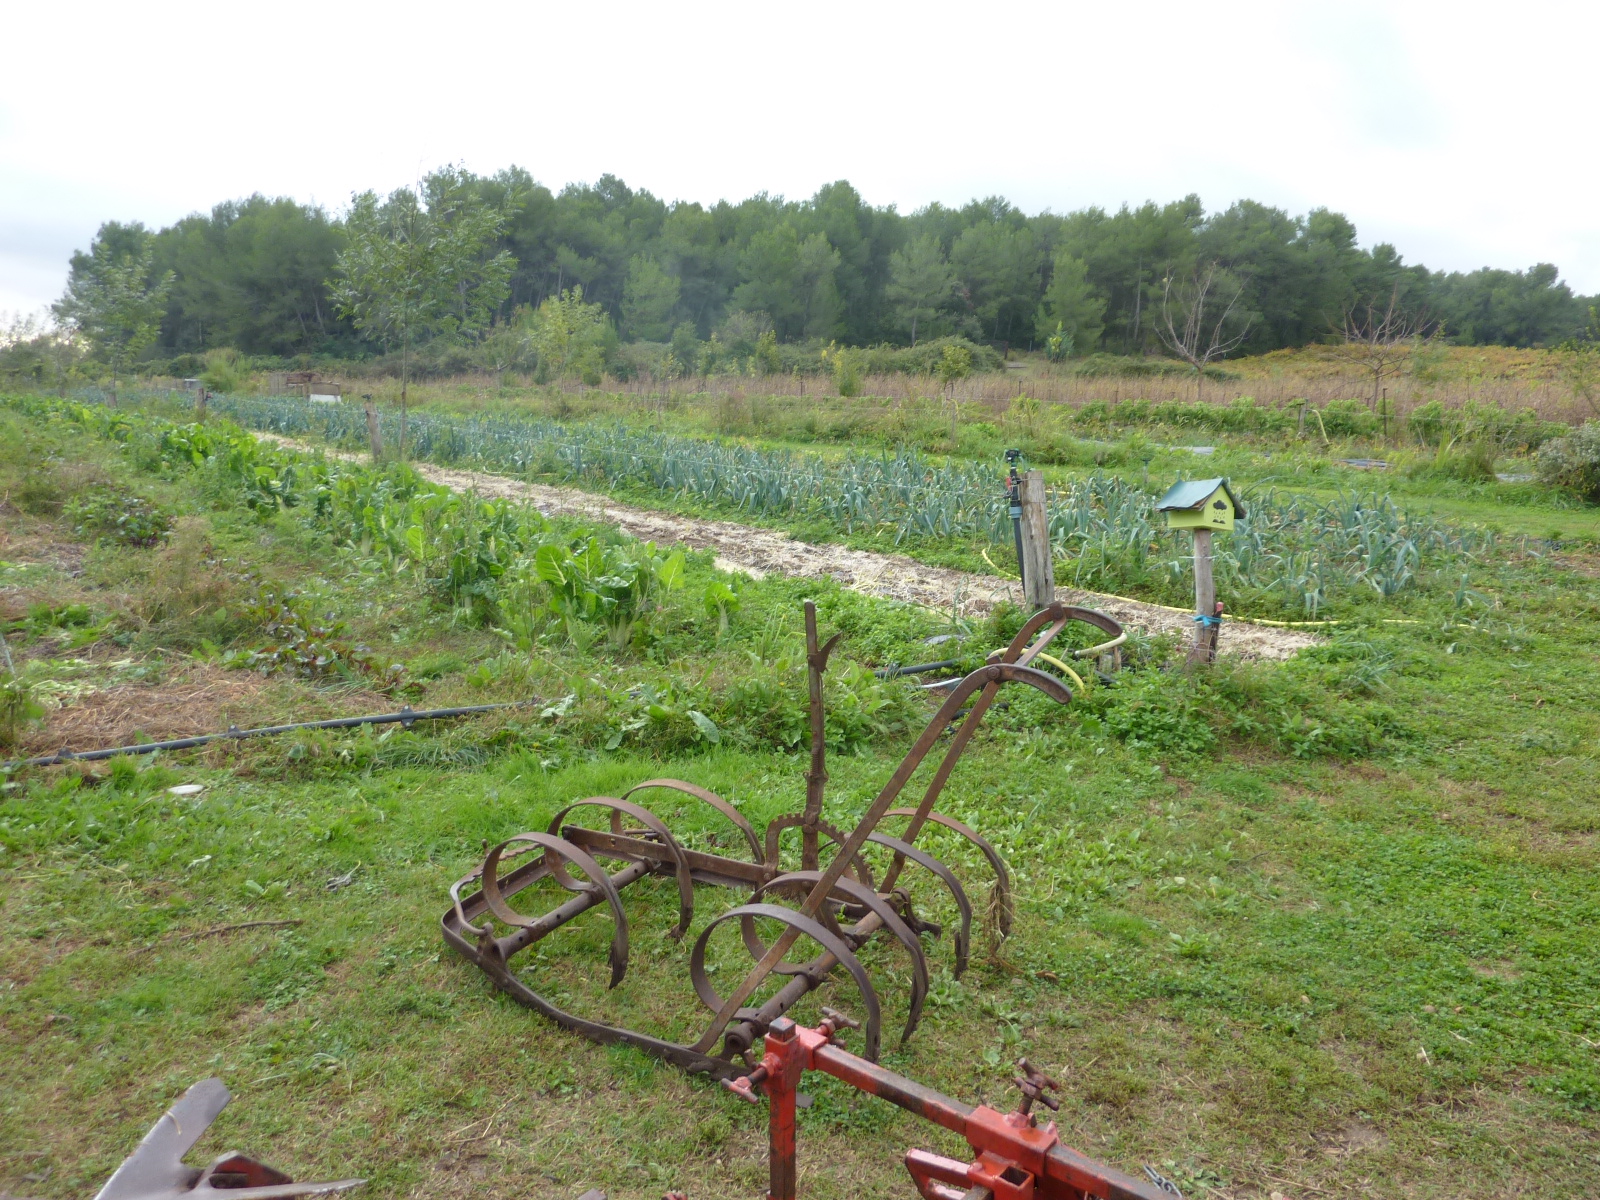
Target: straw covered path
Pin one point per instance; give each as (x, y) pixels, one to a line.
(757, 552)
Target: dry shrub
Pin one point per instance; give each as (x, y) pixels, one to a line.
(185, 580)
(44, 489)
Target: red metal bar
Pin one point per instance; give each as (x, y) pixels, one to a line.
(1014, 1158)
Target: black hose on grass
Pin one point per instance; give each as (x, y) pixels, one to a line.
(406, 716)
(921, 668)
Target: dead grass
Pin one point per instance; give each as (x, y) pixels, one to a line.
(38, 544)
(1504, 377)
(184, 580)
(203, 699)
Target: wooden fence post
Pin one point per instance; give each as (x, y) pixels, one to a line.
(374, 437)
(1038, 572)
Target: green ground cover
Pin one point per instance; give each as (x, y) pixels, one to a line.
(1321, 928)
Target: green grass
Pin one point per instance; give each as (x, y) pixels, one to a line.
(1256, 964)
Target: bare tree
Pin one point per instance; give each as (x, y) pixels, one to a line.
(1195, 320)
(1381, 341)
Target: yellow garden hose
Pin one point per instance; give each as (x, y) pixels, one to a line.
(995, 569)
(1093, 651)
(1061, 666)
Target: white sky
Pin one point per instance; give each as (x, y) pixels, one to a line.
(1462, 132)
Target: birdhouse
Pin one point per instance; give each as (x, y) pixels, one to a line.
(1201, 504)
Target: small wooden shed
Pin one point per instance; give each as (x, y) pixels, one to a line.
(1201, 504)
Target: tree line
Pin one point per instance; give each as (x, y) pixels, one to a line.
(275, 277)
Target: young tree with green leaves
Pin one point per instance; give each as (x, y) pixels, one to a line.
(571, 338)
(112, 299)
(954, 365)
(418, 265)
(1072, 314)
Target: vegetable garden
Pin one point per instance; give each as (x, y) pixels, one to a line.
(1292, 556)
(1319, 927)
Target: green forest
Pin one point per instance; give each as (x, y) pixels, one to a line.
(263, 276)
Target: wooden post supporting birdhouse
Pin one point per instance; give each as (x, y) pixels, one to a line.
(1205, 506)
(1038, 572)
(1204, 648)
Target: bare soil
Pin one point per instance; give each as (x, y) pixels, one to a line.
(758, 552)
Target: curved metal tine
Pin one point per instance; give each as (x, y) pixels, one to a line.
(988, 678)
(873, 902)
(923, 859)
(1013, 666)
(655, 825)
(455, 900)
(1002, 874)
(516, 987)
(799, 923)
(758, 948)
(777, 825)
(1024, 648)
(1101, 621)
(477, 873)
(708, 797)
(559, 847)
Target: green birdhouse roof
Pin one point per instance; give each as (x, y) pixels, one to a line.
(1194, 493)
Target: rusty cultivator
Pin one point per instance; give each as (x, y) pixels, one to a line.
(832, 900)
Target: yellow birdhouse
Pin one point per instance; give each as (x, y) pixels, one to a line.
(1201, 504)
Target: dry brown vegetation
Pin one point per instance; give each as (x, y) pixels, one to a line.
(1503, 377)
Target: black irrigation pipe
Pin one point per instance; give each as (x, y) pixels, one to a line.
(922, 668)
(406, 716)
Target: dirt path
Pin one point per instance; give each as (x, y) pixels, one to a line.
(758, 552)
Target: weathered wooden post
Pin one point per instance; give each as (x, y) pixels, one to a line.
(1038, 572)
(374, 437)
(1205, 506)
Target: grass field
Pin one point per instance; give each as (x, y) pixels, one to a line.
(1324, 928)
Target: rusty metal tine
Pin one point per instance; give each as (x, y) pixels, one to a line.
(1018, 652)
(586, 864)
(922, 858)
(1002, 875)
(983, 678)
(873, 903)
(798, 923)
(707, 797)
(656, 826)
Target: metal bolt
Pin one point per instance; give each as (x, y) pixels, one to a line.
(1035, 1085)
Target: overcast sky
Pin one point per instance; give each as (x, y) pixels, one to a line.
(1462, 132)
